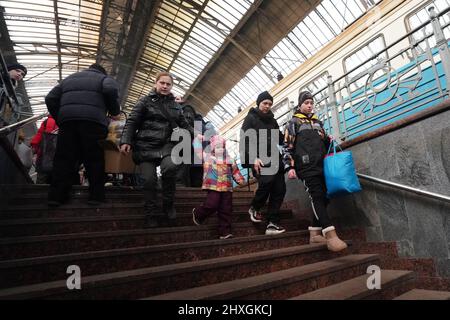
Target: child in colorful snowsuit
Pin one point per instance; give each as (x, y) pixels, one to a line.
(218, 174)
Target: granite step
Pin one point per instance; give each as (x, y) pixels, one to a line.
(95, 223)
(116, 209)
(140, 283)
(39, 199)
(50, 268)
(281, 284)
(179, 206)
(30, 189)
(393, 283)
(35, 246)
(435, 282)
(420, 294)
(37, 187)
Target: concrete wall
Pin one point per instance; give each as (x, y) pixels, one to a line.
(418, 156)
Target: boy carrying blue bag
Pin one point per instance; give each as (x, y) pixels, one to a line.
(305, 146)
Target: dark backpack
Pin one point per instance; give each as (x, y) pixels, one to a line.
(44, 163)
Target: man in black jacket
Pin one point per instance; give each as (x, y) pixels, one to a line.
(260, 123)
(79, 105)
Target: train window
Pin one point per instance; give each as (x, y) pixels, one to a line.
(317, 86)
(421, 15)
(356, 78)
(281, 111)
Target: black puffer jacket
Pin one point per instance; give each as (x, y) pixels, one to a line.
(256, 120)
(148, 130)
(86, 95)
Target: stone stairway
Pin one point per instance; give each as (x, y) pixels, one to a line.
(119, 259)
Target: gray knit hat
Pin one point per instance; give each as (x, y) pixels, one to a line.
(304, 95)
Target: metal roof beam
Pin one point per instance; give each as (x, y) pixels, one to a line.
(46, 20)
(213, 60)
(143, 18)
(58, 38)
(103, 27)
(122, 36)
(197, 15)
(277, 19)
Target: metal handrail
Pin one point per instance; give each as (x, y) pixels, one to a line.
(15, 126)
(406, 188)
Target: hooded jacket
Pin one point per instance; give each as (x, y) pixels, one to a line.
(149, 131)
(256, 120)
(305, 145)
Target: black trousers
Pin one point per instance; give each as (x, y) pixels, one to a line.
(168, 172)
(272, 187)
(317, 190)
(78, 143)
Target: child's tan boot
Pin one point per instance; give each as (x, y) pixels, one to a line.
(333, 242)
(315, 235)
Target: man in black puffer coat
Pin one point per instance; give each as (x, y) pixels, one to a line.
(79, 105)
(271, 183)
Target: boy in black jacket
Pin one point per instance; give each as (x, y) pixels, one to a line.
(270, 174)
(305, 146)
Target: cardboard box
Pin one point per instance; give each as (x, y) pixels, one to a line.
(116, 162)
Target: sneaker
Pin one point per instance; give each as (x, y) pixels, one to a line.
(255, 215)
(53, 203)
(194, 218)
(151, 222)
(170, 211)
(167, 222)
(273, 228)
(228, 236)
(94, 202)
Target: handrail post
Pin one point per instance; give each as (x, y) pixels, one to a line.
(334, 111)
(441, 44)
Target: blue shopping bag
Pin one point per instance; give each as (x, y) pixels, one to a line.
(340, 173)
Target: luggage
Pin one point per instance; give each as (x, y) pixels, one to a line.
(116, 162)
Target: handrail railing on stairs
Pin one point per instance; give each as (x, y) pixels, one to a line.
(406, 188)
(9, 147)
(4, 131)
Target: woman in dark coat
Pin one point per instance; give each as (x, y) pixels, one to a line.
(148, 134)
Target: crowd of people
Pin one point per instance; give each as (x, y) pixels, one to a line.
(79, 108)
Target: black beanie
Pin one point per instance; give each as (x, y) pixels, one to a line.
(15, 66)
(263, 96)
(304, 95)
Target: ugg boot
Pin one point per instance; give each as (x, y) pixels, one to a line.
(333, 242)
(315, 235)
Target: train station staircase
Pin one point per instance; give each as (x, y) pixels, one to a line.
(119, 259)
